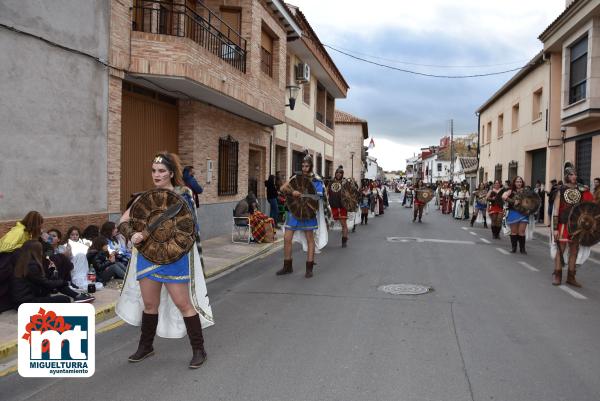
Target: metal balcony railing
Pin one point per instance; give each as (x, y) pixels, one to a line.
(201, 25)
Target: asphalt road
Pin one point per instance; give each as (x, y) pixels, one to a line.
(493, 328)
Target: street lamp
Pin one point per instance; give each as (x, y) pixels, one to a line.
(292, 95)
(352, 159)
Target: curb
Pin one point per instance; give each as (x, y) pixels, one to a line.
(108, 311)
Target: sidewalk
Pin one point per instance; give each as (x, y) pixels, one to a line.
(219, 254)
(543, 231)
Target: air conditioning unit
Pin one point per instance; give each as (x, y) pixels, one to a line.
(303, 72)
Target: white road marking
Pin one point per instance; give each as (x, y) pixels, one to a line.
(414, 239)
(472, 233)
(504, 251)
(484, 240)
(465, 228)
(571, 292)
(528, 266)
(594, 260)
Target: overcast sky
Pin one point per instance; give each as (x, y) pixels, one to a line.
(406, 112)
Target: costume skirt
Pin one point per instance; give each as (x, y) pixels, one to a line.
(515, 217)
(480, 206)
(294, 224)
(176, 272)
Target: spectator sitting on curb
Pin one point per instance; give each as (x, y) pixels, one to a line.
(104, 262)
(28, 228)
(192, 183)
(116, 243)
(78, 248)
(90, 232)
(246, 206)
(30, 285)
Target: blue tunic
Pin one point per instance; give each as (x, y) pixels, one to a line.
(515, 217)
(294, 224)
(176, 272)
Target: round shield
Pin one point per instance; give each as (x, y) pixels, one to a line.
(584, 223)
(527, 202)
(169, 237)
(303, 208)
(424, 195)
(349, 199)
(572, 196)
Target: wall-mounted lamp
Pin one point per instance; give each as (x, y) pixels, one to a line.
(292, 95)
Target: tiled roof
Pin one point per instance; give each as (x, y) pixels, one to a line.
(468, 163)
(559, 18)
(341, 117)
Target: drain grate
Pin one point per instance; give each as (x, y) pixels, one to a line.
(404, 289)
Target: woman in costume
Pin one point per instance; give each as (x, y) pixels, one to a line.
(365, 204)
(496, 208)
(461, 203)
(168, 299)
(419, 205)
(570, 195)
(336, 193)
(480, 204)
(516, 220)
(446, 194)
(310, 233)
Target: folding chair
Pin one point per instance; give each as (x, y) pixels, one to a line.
(241, 232)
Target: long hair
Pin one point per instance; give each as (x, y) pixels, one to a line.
(33, 223)
(31, 250)
(107, 230)
(172, 162)
(512, 184)
(90, 232)
(98, 243)
(70, 231)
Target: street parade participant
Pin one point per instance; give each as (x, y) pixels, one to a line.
(164, 289)
(480, 204)
(336, 192)
(305, 220)
(520, 201)
(461, 202)
(572, 207)
(408, 196)
(421, 195)
(365, 204)
(446, 198)
(496, 208)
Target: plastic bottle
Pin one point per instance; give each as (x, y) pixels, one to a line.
(91, 274)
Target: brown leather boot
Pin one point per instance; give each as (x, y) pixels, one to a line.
(522, 244)
(309, 269)
(145, 349)
(287, 267)
(344, 242)
(556, 277)
(571, 279)
(514, 239)
(194, 331)
(473, 219)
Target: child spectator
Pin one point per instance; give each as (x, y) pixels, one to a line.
(104, 261)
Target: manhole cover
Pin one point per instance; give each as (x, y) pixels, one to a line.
(404, 289)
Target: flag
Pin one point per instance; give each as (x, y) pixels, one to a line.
(371, 144)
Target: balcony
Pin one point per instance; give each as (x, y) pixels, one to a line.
(201, 26)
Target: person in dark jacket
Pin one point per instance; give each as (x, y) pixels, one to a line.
(272, 198)
(104, 261)
(30, 284)
(192, 183)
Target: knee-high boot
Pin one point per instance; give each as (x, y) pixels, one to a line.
(514, 239)
(473, 219)
(484, 221)
(145, 349)
(194, 331)
(522, 244)
(287, 268)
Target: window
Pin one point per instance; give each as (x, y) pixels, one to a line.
(439, 167)
(297, 158)
(321, 99)
(319, 163)
(515, 118)
(537, 105)
(228, 166)
(500, 127)
(489, 131)
(306, 93)
(512, 170)
(498, 172)
(485, 141)
(329, 111)
(266, 53)
(578, 70)
(328, 168)
(583, 160)
(232, 18)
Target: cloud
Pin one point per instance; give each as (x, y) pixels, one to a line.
(390, 154)
(407, 111)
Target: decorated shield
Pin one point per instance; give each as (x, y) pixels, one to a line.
(424, 195)
(584, 223)
(349, 199)
(168, 223)
(304, 207)
(527, 202)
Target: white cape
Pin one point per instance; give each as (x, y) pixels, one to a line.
(582, 255)
(321, 234)
(170, 321)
